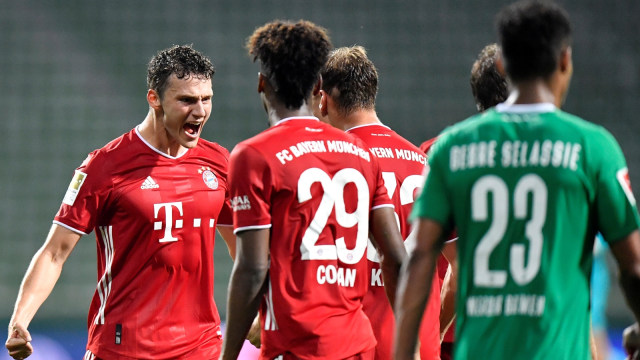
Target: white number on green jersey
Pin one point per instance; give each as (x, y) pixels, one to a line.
(333, 198)
(521, 271)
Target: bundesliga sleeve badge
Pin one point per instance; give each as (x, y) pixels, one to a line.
(74, 187)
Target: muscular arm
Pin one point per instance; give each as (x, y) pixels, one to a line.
(246, 286)
(229, 237)
(411, 299)
(627, 254)
(38, 282)
(449, 288)
(391, 250)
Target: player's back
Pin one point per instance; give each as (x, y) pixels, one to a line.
(315, 186)
(402, 165)
(523, 186)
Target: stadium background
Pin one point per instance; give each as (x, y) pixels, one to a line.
(73, 78)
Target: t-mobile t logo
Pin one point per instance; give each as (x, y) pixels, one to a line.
(168, 216)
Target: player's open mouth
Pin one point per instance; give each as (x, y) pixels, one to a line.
(192, 129)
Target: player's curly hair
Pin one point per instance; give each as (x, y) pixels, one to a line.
(291, 56)
(488, 86)
(351, 79)
(181, 60)
(532, 36)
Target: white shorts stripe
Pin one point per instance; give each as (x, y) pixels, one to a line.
(270, 318)
(88, 356)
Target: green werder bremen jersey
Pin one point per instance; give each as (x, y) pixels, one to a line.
(527, 187)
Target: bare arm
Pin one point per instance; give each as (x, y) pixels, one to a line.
(246, 286)
(411, 300)
(449, 288)
(391, 250)
(627, 254)
(38, 282)
(229, 237)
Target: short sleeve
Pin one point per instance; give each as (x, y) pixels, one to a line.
(433, 201)
(615, 204)
(84, 196)
(250, 184)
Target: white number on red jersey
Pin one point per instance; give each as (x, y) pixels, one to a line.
(333, 198)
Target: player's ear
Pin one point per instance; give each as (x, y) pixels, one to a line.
(565, 60)
(323, 106)
(261, 80)
(500, 65)
(153, 98)
(318, 87)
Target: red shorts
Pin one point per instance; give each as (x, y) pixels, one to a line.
(367, 355)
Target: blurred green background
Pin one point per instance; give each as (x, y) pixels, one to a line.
(72, 77)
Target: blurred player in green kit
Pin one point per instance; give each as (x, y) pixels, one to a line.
(527, 186)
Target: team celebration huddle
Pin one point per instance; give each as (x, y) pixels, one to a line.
(347, 240)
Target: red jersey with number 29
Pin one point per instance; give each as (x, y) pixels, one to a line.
(314, 187)
(402, 165)
(154, 217)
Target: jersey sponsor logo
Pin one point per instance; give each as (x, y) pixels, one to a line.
(74, 187)
(168, 223)
(623, 178)
(149, 183)
(240, 202)
(209, 177)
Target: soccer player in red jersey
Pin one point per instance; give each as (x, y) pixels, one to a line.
(303, 197)
(153, 196)
(489, 88)
(347, 101)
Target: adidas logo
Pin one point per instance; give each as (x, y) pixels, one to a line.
(149, 184)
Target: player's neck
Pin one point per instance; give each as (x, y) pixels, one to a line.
(533, 92)
(359, 118)
(154, 133)
(277, 112)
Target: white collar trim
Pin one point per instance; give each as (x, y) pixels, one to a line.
(297, 118)
(156, 150)
(525, 108)
(372, 124)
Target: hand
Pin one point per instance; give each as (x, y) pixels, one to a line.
(631, 341)
(19, 342)
(254, 333)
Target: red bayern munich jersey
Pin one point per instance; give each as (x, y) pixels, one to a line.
(313, 186)
(402, 165)
(154, 217)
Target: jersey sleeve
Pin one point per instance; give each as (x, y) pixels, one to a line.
(615, 203)
(433, 201)
(250, 184)
(84, 196)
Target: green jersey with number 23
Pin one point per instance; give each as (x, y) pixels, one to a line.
(527, 187)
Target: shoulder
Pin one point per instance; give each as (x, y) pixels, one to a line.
(213, 148)
(115, 150)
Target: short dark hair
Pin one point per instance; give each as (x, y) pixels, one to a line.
(532, 36)
(180, 60)
(488, 86)
(351, 79)
(291, 56)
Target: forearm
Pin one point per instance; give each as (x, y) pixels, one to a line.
(39, 280)
(245, 289)
(413, 292)
(630, 283)
(447, 301)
